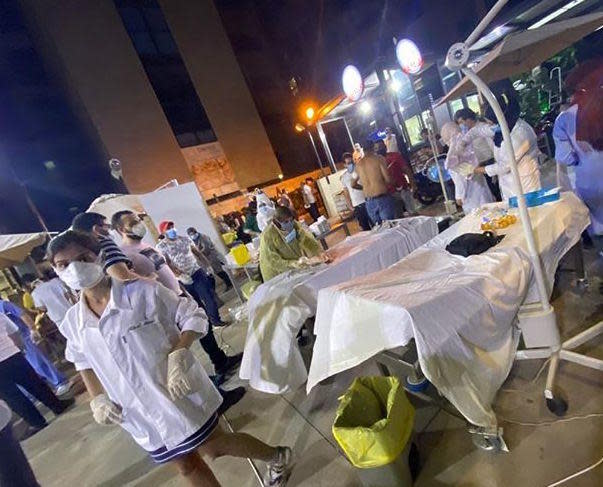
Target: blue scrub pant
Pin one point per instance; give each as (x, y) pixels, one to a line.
(42, 364)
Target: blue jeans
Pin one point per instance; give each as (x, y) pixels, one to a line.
(381, 208)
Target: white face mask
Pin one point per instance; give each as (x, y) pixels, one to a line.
(81, 275)
(139, 230)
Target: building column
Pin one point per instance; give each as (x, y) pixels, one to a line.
(86, 45)
(209, 58)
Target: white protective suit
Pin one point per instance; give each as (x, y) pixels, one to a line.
(526, 150)
(265, 210)
(471, 189)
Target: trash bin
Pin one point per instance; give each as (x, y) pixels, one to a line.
(373, 426)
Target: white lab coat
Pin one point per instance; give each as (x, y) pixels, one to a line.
(472, 191)
(127, 349)
(526, 150)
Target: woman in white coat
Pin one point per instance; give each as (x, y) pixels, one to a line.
(525, 146)
(130, 342)
(470, 190)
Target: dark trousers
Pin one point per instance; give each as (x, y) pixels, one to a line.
(313, 210)
(202, 290)
(14, 467)
(222, 275)
(16, 371)
(381, 208)
(362, 216)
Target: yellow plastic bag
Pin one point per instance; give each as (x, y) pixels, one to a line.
(229, 237)
(374, 421)
(240, 254)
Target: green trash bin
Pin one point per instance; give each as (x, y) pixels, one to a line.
(373, 426)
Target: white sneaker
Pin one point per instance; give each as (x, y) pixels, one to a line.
(63, 389)
(279, 470)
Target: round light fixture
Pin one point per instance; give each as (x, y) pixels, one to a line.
(352, 83)
(409, 56)
(366, 107)
(309, 113)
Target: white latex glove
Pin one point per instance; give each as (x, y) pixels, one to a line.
(178, 383)
(105, 411)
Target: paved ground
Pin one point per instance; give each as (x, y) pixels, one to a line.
(74, 451)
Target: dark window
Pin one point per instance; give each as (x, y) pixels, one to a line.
(151, 37)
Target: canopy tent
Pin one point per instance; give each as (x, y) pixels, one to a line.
(521, 51)
(14, 249)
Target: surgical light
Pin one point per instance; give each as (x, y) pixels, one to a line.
(555, 14)
(352, 83)
(409, 57)
(365, 107)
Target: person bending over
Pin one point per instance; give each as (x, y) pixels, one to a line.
(285, 245)
(130, 342)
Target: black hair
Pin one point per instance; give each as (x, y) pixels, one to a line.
(191, 229)
(424, 131)
(465, 114)
(84, 222)
(508, 100)
(116, 218)
(71, 237)
(368, 145)
(346, 155)
(282, 212)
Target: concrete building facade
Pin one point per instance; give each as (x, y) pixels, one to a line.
(86, 43)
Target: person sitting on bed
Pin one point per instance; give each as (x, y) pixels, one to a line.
(285, 245)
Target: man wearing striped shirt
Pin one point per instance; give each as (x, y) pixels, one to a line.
(115, 262)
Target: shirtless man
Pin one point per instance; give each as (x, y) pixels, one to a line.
(373, 179)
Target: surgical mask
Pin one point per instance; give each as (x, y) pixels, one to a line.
(290, 237)
(171, 233)
(194, 236)
(138, 230)
(81, 275)
(464, 128)
(350, 168)
(286, 227)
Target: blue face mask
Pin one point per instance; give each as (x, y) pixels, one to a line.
(171, 233)
(464, 128)
(290, 237)
(350, 168)
(286, 227)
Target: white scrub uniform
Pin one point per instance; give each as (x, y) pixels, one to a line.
(472, 191)
(127, 349)
(526, 150)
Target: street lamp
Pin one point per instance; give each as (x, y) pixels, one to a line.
(301, 128)
(310, 113)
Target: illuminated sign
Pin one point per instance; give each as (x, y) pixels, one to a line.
(409, 56)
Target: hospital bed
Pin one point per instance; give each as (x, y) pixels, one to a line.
(272, 361)
(459, 314)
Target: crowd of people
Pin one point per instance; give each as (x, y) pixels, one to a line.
(129, 311)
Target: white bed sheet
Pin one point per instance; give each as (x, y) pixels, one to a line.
(460, 311)
(278, 308)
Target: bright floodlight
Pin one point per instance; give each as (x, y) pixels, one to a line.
(409, 56)
(309, 113)
(395, 85)
(352, 82)
(365, 107)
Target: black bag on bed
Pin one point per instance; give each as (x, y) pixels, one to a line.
(473, 243)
